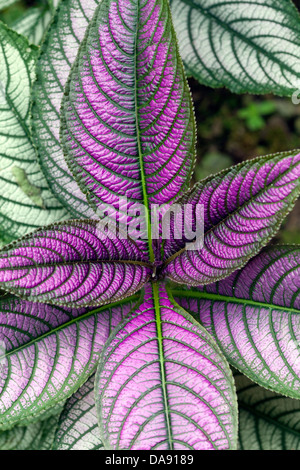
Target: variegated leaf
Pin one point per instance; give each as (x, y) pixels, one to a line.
(34, 23)
(75, 263)
(267, 421)
(36, 436)
(6, 3)
(245, 45)
(25, 200)
(54, 4)
(47, 353)
(58, 52)
(162, 383)
(254, 315)
(243, 207)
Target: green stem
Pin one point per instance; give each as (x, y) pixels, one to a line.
(155, 290)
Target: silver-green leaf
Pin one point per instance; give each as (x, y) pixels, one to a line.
(78, 424)
(35, 436)
(6, 3)
(34, 23)
(268, 421)
(244, 45)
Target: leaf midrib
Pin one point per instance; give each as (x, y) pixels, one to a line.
(229, 299)
(156, 298)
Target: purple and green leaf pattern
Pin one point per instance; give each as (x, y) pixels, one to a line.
(254, 315)
(127, 116)
(75, 263)
(58, 52)
(78, 424)
(163, 384)
(41, 415)
(47, 353)
(244, 207)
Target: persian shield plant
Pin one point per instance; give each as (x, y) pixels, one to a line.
(115, 336)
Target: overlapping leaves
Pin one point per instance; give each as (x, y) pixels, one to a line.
(35, 436)
(25, 200)
(127, 130)
(77, 427)
(34, 23)
(58, 53)
(75, 263)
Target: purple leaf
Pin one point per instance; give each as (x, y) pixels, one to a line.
(73, 263)
(127, 116)
(243, 209)
(47, 353)
(254, 315)
(162, 383)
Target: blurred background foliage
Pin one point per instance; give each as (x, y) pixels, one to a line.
(231, 128)
(16, 11)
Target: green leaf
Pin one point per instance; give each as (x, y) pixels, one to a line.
(42, 415)
(25, 200)
(212, 162)
(253, 113)
(34, 24)
(6, 3)
(268, 421)
(245, 45)
(78, 424)
(36, 436)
